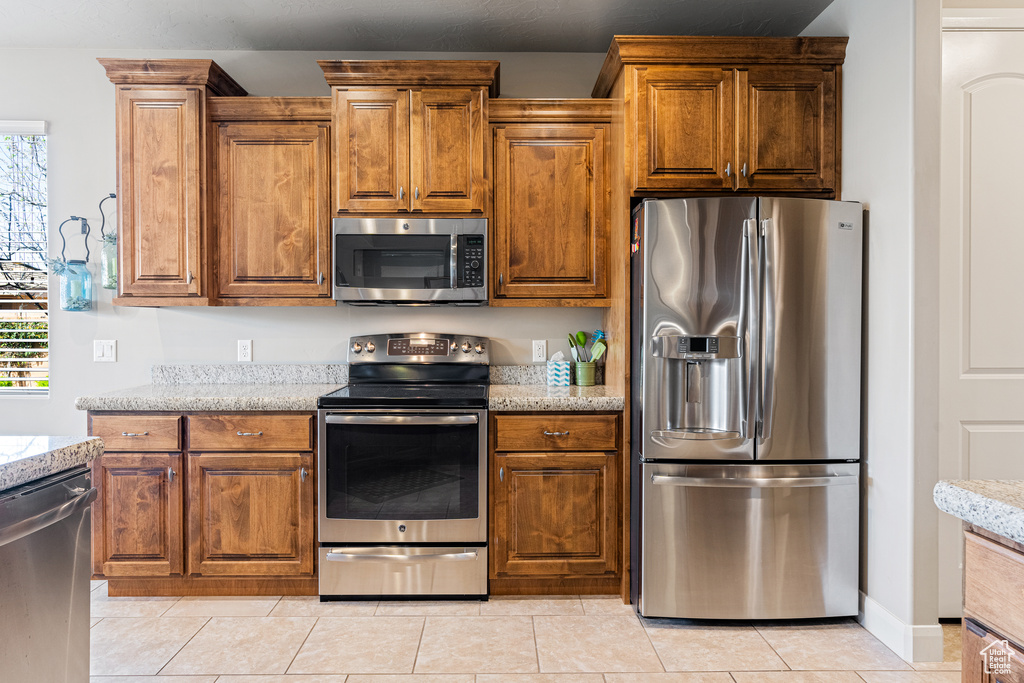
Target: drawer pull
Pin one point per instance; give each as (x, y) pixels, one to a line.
(134, 434)
(547, 433)
(303, 473)
(249, 433)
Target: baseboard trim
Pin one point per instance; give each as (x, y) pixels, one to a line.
(914, 643)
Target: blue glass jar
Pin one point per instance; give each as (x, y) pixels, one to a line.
(76, 287)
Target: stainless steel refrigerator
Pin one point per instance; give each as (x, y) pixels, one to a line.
(745, 429)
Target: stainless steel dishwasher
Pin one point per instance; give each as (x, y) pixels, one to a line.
(44, 579)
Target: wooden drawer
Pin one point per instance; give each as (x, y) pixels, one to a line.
(994, 585)
(250, 432)
(988, 657)
(555, 432)
(137, 432)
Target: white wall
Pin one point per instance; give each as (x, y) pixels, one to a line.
(892, 65)
(69, 89)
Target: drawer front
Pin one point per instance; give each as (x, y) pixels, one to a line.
(994, 585)
(245, 432)
(137, 432)
(555, 432)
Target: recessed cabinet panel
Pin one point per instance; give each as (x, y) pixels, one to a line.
(447, 154)
(160, 204)
(273, 215)
(372, 150)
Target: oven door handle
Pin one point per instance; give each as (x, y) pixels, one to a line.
(337, 556)
(401, 420)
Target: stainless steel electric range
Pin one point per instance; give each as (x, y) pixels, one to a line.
(403, 469)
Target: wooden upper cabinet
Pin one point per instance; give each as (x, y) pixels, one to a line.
(788, 133)
(551, 216)
(686, 137)
(160, 114)
(722, 114)
(410, 134)
(273, 210)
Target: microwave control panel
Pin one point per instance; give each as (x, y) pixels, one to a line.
(471, 261)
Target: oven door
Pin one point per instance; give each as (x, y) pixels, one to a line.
(402, 476)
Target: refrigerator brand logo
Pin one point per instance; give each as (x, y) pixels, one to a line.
(997, 658)
(843, 225)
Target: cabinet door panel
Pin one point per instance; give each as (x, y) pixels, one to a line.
(371, 157)
(159, 198)
(554, 514)
(684, 137)
(551, 223)
(273, 224)
(137, 520)
(447, 153)
(250, 514)
(787, 134)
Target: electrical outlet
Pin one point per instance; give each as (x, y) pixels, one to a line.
(104, 350)
(540, 350)
(245, 350)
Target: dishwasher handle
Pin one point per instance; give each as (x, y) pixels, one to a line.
(22, 528)
(753, 482)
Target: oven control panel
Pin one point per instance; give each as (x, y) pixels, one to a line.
(419, 347)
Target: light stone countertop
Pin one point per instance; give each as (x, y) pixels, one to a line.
(508, 397)
(215, 397)
(26, 458)
(993, 505)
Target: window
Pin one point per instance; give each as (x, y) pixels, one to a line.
(24, 325)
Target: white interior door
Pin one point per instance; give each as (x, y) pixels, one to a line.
(981, 295)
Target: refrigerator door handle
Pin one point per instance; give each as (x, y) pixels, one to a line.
(754, 482)
(752, 333)
(768, 330)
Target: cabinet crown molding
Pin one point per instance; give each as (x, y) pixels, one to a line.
(204, 72)
(715, 50)
(543, 110)
(413, 72)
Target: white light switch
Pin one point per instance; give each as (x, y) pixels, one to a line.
(104, 350)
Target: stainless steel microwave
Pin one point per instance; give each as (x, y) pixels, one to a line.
(410, 261)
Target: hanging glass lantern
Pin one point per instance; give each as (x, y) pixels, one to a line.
(76, 287)
(108, 261)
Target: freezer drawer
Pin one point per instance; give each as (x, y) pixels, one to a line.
(749, 541)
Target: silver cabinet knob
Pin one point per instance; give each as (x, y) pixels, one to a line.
(356, 347)
(370, 347)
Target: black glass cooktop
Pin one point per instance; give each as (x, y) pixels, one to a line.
(371, 395)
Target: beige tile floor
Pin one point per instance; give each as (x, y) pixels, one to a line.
(572, 639)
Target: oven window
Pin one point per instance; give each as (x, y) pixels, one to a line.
(393, 261)
(403, 472)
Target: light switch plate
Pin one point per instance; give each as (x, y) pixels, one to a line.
(104, 350)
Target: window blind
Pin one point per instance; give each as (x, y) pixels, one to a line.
(24, 323)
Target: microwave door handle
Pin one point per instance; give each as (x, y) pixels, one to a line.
(453, 264)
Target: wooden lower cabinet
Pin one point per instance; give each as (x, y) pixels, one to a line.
(206, 523)
(988, 657)
(993, 630)
(554, 519)
(137, 520)
(250, 513)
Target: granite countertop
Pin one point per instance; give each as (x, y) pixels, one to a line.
(217, 397)
(993, 505)
(507, 397)
(27, 458)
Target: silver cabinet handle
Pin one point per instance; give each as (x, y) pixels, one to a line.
(320, 278)
(728, 169)
(134, 434)
(188, 278)
(21, 529)
(336, 556)
(402, 419)
(303, 473)
(401, 192)
(170, 474)
(743, 170)
(753, 482)
(501, 278)
(501, 474)
(416, 193)
(249, 433)
(547, 433)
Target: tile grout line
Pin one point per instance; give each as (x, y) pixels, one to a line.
(536, 646)
(643, 627)
(316, 621)
(184, 645)
(419, 644)
(772, 647)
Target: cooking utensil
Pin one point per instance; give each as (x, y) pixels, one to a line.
(598, 349)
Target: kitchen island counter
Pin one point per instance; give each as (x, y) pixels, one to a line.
(27, 458)
(994, 505)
